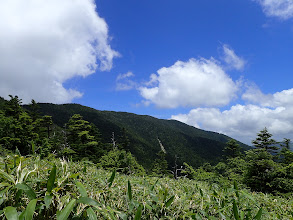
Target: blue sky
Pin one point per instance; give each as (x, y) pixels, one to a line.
(224, 65)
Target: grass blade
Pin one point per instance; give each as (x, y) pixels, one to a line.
(235, 211)
(152, 188)
(11, 213)
(169, 202)
(30, 209)
(201, 192)
(138, 212)
(258, 215)
(112, 178)
(91, 214)
(51, 180)
(64, 214)
(81, 189)
(129, 191)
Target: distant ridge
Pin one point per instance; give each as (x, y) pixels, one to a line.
(191, 145)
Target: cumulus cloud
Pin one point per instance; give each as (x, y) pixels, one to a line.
(277, 8)
(242, 122)
(123, 83)
(254, 95)
(232, 59)
(197, 82)
(44, 43)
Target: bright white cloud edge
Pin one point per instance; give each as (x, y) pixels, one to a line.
(44, 43)
(243, 122)
(196, 82)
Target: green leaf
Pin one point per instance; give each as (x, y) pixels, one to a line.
(6, 176)
(152, 188)
(259, 214)
(91, 214)
(201, 192)
(129, 191)
(88, 201)
(48, 200)
(11, 213)
(51, 180)
(169, 202)
(112, 178)
(138, 212)
(123, 216)
(81, 189)
(236, 189)
(27, 189)
(235, 185)
(74, 176)
(64, 214)
(235, 211)
(4, 184)
(30, 209)
(22, 215)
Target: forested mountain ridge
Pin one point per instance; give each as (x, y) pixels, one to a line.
(188, 143)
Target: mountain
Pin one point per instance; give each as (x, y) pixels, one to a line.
(188, 143)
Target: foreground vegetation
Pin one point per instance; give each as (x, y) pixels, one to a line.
(34, 188)
(47, 171)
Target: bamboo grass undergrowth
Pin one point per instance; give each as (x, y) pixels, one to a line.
(31, 188)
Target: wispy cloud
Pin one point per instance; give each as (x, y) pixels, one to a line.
(277, 8)
(231, 59)
(123, 83)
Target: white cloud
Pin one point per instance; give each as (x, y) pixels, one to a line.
(125, 75)
(243, 122)
(123, 82)
(232, 59)
(44, 43)
(197, 82)
(254, 95)
(277, 8)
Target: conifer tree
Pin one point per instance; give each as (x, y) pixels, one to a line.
(12, 107)
(160, 165)
(232, 149)
(264, 141)
(34, 110)
(47, 122)
(79, 137)
(286, 143)
(286, 155)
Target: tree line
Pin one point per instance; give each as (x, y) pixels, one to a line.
(26, 132)
(267, 168)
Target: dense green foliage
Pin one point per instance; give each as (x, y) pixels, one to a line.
(122, 161)
(190, 144)
(59, 189)
(39, 185)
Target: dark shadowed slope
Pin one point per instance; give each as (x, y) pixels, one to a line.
(190, 144)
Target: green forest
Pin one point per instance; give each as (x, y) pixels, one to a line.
(74, 162)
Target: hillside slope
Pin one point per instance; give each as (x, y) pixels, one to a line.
(190, 144)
